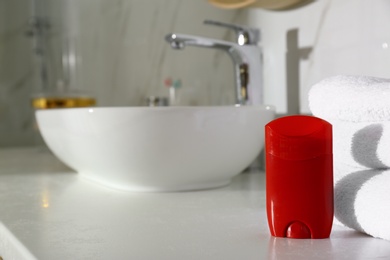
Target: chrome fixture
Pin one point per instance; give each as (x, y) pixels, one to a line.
(245, 35)
(245, 54)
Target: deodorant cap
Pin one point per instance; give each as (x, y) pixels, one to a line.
(298, 137)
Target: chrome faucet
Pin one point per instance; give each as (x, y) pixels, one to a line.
(245, 54)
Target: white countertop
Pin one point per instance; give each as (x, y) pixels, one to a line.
(49, 212)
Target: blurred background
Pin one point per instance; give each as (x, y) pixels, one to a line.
(114, 52)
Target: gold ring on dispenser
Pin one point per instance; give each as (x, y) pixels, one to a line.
(62, 102)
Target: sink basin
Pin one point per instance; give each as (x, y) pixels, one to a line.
(156, 148)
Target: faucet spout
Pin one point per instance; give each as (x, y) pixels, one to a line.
(179, 41)
(177, 44)
(236, 52)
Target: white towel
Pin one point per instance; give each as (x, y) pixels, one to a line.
(362, 200)
(364, 144)
(358, 108)
(351, 98)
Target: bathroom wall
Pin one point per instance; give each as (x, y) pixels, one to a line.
(301, 46)
(126, 59)
(333, 37)
(122, 57)
(16, 74)
(2, 29)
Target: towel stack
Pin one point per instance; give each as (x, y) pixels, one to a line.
(358, 108)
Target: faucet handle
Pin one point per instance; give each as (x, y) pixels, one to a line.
(245, 35)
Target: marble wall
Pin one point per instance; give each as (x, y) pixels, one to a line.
(16, 74)
(122, 58)
(126, 59)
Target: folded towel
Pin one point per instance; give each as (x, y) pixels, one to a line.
(358, 108)
(351, 98)
(362, 201)
(364, 144)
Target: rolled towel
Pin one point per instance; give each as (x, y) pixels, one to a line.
(362, 201)
(358, 108)
(363, 144)
(351, 98)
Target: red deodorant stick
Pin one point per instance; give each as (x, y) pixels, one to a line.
(299, 177)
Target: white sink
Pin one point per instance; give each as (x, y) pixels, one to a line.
(156, 148)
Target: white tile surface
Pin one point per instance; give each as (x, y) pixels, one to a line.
(55, 214)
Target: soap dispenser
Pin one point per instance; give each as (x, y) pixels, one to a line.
(299, 177)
